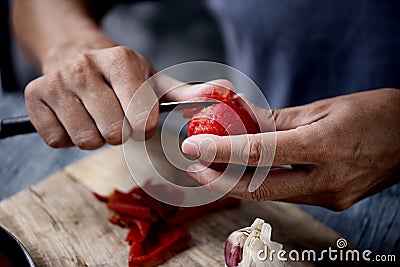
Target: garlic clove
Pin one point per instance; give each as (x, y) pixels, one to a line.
(250, 247)
(234, 247)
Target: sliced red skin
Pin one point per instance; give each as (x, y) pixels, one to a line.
(156, 233)
(225, 118)
(135, 251)
(163, 241)
(162, 209)
(136, 210)
(138, 232)
(164, 189)
(125, 204)
(139, 228)
(185, 214)
(100, 197)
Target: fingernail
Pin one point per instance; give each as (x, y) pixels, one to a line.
(190, 148)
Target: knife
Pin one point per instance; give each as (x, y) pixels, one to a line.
(22, 125)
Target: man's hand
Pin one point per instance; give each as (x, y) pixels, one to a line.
(340, 149)
(85, 100)
(87, 84)
(82, 102)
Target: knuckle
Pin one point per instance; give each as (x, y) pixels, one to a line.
(334, 183)
(312, 146)
(261, 194)
(54, 88)
(121, 54)
(252, 151)
(31, 91)
(305, 142)
(81, 70)
(127, 62)
(81, 64)
(335, 186)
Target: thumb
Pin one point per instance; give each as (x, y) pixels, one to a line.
(262, 149)
(170, 89)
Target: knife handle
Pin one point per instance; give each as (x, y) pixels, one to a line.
(16, 125)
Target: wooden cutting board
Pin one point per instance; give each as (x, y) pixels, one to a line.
(62, 224)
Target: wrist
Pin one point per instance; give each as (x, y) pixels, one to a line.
(64, 50)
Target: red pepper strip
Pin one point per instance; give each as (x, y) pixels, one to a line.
(165, 192)
(139, 228)
(136, 249)
(119, 196)
(138, 211)
(101, 198)
(185, 214)
(126, 204)
(160, 246)
(160, 208)
(134, 236)
(114, 219)
(138, 231)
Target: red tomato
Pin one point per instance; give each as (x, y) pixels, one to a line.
(225, 118)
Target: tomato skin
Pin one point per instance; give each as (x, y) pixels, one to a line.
(154, 239)
(225, 118)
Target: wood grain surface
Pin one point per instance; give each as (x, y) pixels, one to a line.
(62, 224)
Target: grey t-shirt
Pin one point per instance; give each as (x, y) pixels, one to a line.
(301, 51)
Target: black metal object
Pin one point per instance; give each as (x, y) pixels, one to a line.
(13, 249)
(8, 81)
(16, 125)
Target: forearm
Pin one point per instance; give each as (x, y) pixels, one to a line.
(49, 31)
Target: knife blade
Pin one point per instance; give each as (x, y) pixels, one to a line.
(22, 125)
(181, 105)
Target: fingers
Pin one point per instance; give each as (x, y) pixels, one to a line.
(104, 109)
(126, 72)
(84, 102)
(81, 128)
(300, 186)
(55, 125)
(46, 122)
(83, 81)
(294, 117)
(279, 184)
(263, 149)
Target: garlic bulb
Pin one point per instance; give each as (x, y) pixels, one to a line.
(252, 247)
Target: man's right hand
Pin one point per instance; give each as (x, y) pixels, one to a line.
(87, 84)
(82, 102)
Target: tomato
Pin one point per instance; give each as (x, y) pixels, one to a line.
(225, 118)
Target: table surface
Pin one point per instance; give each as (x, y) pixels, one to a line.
(62, 224)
